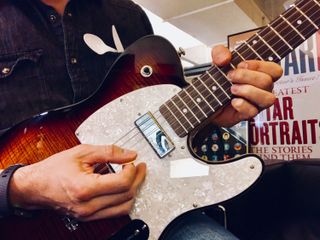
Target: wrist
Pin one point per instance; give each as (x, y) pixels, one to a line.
(18, 189)
(6, 176)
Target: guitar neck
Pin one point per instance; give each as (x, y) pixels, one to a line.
(210, 92)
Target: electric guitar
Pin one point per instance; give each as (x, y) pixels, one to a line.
(146, 105)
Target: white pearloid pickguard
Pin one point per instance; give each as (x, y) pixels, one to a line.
(161, 197)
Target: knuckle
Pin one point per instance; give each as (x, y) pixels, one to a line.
(238, 74)
(81, 149)
(82, 212)
(79, 193)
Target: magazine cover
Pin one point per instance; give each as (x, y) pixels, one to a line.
(290, 128)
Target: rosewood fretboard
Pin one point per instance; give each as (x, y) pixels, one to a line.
(211, 91)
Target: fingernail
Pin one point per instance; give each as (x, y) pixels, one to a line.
(234, 89)
(243, 65)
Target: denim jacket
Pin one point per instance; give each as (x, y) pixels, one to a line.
(38, 72)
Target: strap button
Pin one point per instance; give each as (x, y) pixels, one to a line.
(6, 70)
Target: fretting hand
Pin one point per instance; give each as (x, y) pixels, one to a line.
(252, 85)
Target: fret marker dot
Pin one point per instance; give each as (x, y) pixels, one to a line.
(254, 42)
(299, 22)
(185, 110)
(198, 100)
(270, 59)
(214, 88)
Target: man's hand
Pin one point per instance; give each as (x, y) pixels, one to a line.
(66, 182)
(252, 85)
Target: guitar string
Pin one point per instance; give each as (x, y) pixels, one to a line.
(223, 83)
(164, 120)
(261, 32)
(267, 37)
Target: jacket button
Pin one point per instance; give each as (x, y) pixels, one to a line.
(73, 60)
(52, 18)
(5, 70)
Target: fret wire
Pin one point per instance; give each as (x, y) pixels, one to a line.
(176, 111)
(307, 17)
(289, 35)
(300, 28)
(293, 27)
(170, 117)
(279, 35)
(311, 13)
(304, 26)
(241, 55)
(317, 2)
(235, 50)
(267, 44)
(275, 39)
(235, 60)
(195, 108)
(187, 111)
(218, 84)
(181, 99)
(222, 73)
(220, 95)
(276, 42)
(165, 104)
(210, 91)
(217, 77)
(222, 98)
(181, 112)
(290, 25)
(245, 42)
(195, 103)
(202, 97)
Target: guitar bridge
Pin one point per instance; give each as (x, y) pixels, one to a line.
(154, 134)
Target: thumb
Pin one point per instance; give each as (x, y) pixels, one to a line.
(110, 154)
(220, 55)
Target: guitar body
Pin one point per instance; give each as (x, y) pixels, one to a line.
(108, 117)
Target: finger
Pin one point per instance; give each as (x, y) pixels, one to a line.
(97, 203)
(220, 55)
(105, 153)
(98, 185)
(244, 109)
(94, 184)
(254, 78)
(117, 183)
(256, 96)
(270, 68)
(119, 210)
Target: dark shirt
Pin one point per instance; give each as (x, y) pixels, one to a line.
(44, 61)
